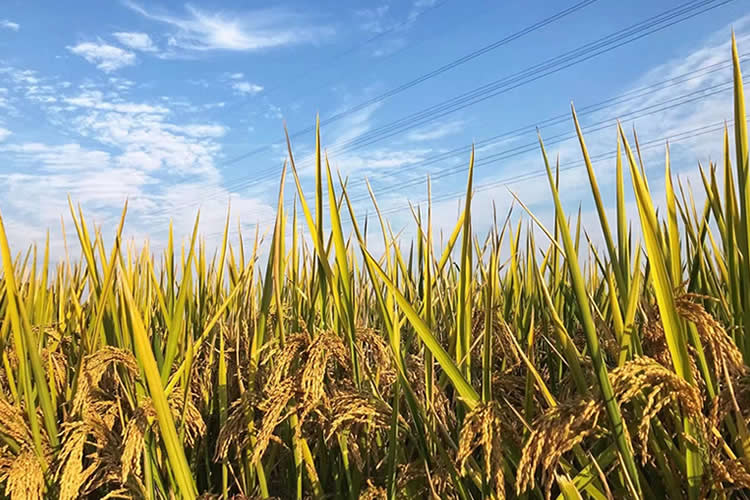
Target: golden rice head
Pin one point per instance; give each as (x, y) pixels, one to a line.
(14, 423)
(348, 409)
(653, 340)
(416, 480)
(273, 408)
(655, 346)
(326, 346)
(727, 475)
(720, 345)
(440, 405)
(647, 380)
(71, 474)
(25, 477)
(373, 492)
(94, 368)
(375, 358)
(145, 419)
(192, 422)
(731, 399)
(481, 429)
(134, 439)
(512, 388)
(234, 430)
(6, 460)
(124, 494)
(554, 433)
(284, 360)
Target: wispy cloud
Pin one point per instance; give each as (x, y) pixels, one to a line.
(136, 41)
(246, 88)
(383, 20)
(95, 99)
(375, 20)
(702, 108)
(71, 156)
(389, 46)
(201, 30)
(106, 57)
(9, 25)
(20, 76)
(161, 158)
(420, 6)
(4, 133)
(437, 131)
(199, 131)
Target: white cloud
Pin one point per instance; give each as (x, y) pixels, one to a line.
(247, 88)
(381, 159)
(389, 46)
(236, 76)
(433, 132)
(9, 25)
(95, 99)
(164, 165)
(201, 30)
(106, 57)
(380, 19)
(20, 76)
(58, 157)
(213, 105)
(374, 19)
(701, 109)
(418, 7)
(167, 145)
(273, 112)
(4, 133)
(213, 131)
(493, 176)
(136, 41)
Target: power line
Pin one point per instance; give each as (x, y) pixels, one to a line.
(595, 127)
(650, 110)
(624, 98)
(453, 64)
(560, 138)
(534, 73)
(631, 95)
(468, 57)
(644, 146)
(310, 90)
(438, 71)
(587, 51)
(392, 29)
(582, 111)
(636, 93)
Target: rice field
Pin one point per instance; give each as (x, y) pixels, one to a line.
(523, 362)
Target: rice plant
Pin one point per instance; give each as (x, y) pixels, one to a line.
(324, 371)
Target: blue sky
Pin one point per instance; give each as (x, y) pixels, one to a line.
(179, 106)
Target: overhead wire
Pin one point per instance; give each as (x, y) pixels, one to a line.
(420, 79)
(494, 158)
(644, 146)
(585, 52)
